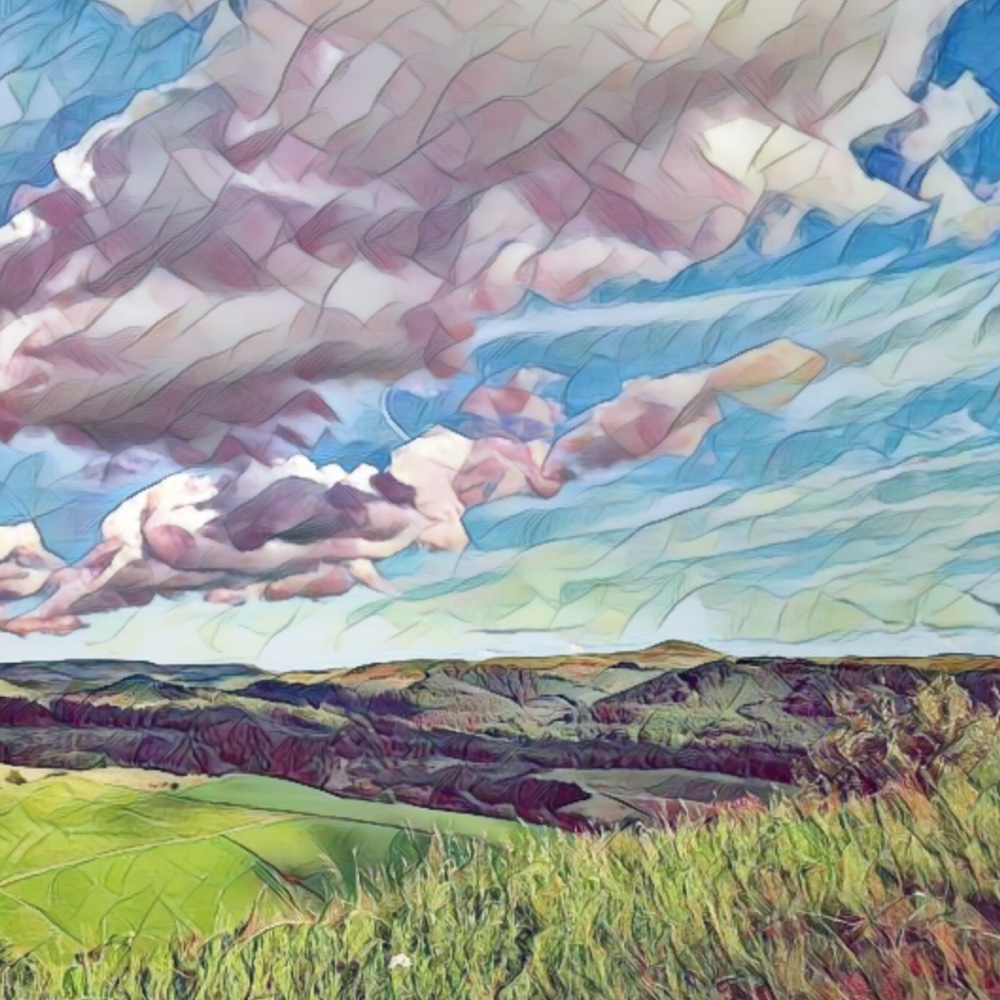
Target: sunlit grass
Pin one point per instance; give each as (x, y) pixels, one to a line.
(894, 896)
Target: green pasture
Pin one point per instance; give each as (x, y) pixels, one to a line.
(83, 863)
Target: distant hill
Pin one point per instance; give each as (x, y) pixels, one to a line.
(67, 676)
(576, 741)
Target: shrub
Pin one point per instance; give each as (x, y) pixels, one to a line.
(881, 740)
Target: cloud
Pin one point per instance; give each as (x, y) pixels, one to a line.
(247, 530)
(343, 190)
(25, 564)
(672, 415)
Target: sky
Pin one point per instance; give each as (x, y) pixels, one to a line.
(342, 332)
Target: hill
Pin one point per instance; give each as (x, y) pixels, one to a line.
(809, 831)
(84, 862)
(891, 897)
(579, 742)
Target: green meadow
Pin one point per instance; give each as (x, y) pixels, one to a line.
(891, 897)
(84, 863)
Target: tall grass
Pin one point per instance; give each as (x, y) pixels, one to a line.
(893, 895)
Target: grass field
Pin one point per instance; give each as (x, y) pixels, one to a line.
(84, 862)
(892, 897)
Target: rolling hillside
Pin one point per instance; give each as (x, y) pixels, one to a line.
(577, 742)
(85, 862)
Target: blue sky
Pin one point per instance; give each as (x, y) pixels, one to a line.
(863, 517)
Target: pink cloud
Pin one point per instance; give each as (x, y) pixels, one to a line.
(672, 415)
(345, 188)
(247, 530)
